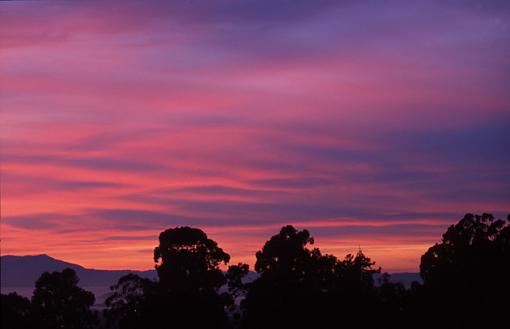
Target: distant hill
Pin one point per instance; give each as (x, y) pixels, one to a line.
(23, 271)
(19, 273)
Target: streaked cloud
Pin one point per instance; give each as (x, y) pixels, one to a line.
(373, 124)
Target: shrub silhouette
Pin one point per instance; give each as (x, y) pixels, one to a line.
(58, 302)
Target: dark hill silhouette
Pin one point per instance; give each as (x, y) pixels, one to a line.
(23, 271)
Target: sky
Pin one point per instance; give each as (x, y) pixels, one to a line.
(374, 125)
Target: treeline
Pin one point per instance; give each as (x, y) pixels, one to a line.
(466, 284)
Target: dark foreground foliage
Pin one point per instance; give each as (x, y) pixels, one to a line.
(57, 302)
(465, 285)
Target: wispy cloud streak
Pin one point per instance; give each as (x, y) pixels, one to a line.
(373, 125)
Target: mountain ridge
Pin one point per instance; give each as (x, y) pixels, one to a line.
(23, 271)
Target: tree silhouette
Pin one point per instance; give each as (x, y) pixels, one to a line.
(355, 272)
(300, 287)
(278, 298)
(234, 276)
(352, 294)
(186, 259)
(187, 262)
(237, 289)
(132, 303)
(465, 285)
(285, 254)
(15, 312)
(391, 305)
(466, 274)
(58, 302)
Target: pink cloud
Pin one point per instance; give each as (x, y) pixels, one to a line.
(121, 120)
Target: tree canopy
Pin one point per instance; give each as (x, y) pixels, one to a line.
(468, 272)
(300, 287)
(16, 312)
(58, 302)
(465, 285)
(130, 305)
(186, 259)
(188, 266)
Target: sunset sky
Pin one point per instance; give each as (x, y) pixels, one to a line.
(372, 125)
